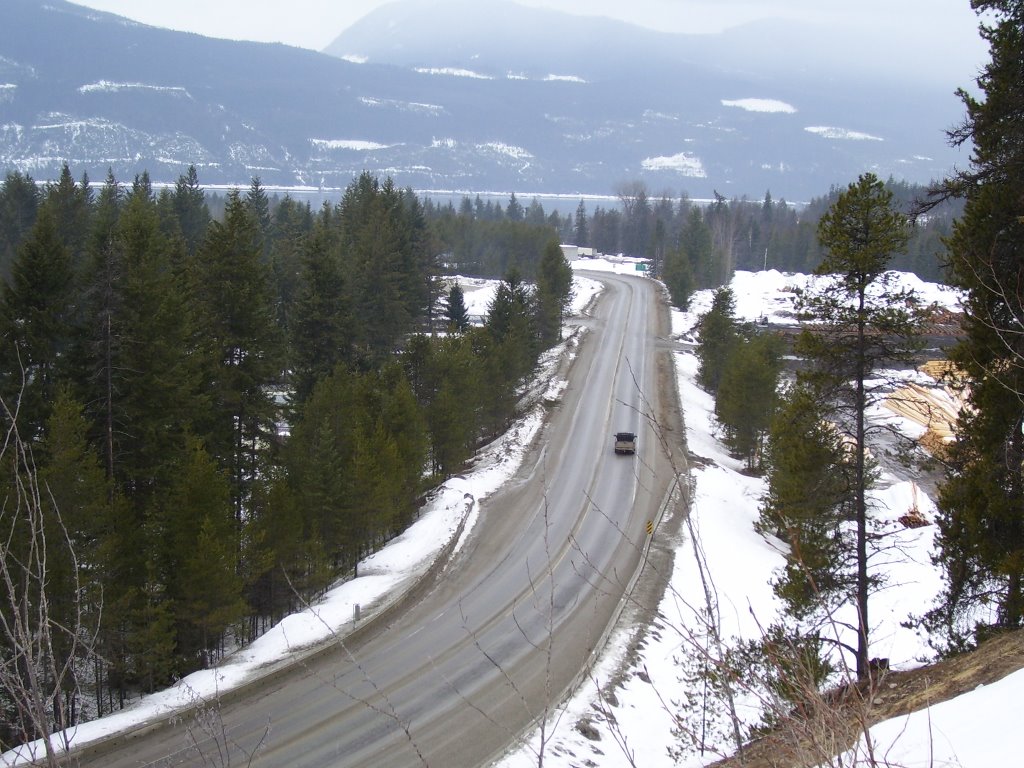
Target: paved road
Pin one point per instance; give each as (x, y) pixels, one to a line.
(474, 659)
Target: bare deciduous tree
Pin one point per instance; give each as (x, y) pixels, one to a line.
(40, 650)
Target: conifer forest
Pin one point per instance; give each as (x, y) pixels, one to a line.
(214, 406)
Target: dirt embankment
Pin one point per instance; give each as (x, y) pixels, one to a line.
(799, 742)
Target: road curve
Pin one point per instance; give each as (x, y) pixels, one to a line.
(482, 650)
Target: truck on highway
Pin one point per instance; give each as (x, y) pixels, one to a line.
(625, 442)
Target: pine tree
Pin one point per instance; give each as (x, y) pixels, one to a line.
(718, 335)
(321, 322)
(319, 456)
(510, 346)
(747, 396)
(456, 314)
(212, 588)
(19, 204)
(514, 211)
(981, 526)
(385, 251)
(677, 274)
(36, 323)
(69, 204)
(242, 344)
(198, 501)
(444, 373)
(148, 376)
(806, 505)
(399, 417)
(190, 209)
(97, 341)
(554, 292)
(258, 205)
(75, 503)
(292, 227)
(580, 232)
(285, 571)
(695, 241)
(859, 321)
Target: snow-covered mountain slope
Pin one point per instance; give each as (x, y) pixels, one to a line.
(565, 109)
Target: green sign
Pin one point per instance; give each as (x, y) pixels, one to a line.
(641, 267)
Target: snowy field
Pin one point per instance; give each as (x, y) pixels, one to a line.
(739, 562)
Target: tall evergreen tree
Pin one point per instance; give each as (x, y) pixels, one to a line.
(190, 209)
(453, 408)
(242, 343)
(36, 323)
(747, 396)
(695, 239)
(718, 335)
(554, 292)
(154, 383)
(807, 504)
(98, 337)
(321, 324)
(582, 236)
(199, 556)
(859, 321)
(319, 457)
(292, 228)
(677, 275)
(386, 252)
(514, 211)
(508, 347)
(19, 204)
(456, 314)
(258, 205)
(981, 524)
(75, 500)
(69, 204)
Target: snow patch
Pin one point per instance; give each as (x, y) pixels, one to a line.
(564, 79)
(108, 86)
(771, 296)
(760, 105)
(650, 114)
(517, 153)
(403, 106)
(453, 72)
(684, 163)
(831, 132)
(352, 144)
(353, 58)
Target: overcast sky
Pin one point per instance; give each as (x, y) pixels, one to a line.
(315, 23)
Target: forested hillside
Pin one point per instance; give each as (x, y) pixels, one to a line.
(216, 405)
(209, 419)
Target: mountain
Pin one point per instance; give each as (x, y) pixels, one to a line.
(460, 95)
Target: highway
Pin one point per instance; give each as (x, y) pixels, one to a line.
(480, 652)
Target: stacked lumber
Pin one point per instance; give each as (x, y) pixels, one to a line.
(934, 408)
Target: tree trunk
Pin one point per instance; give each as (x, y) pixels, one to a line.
(860, 490)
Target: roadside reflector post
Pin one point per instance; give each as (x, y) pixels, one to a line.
(650, 527)
(355, 613)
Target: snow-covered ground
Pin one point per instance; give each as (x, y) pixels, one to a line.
(640, 727)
